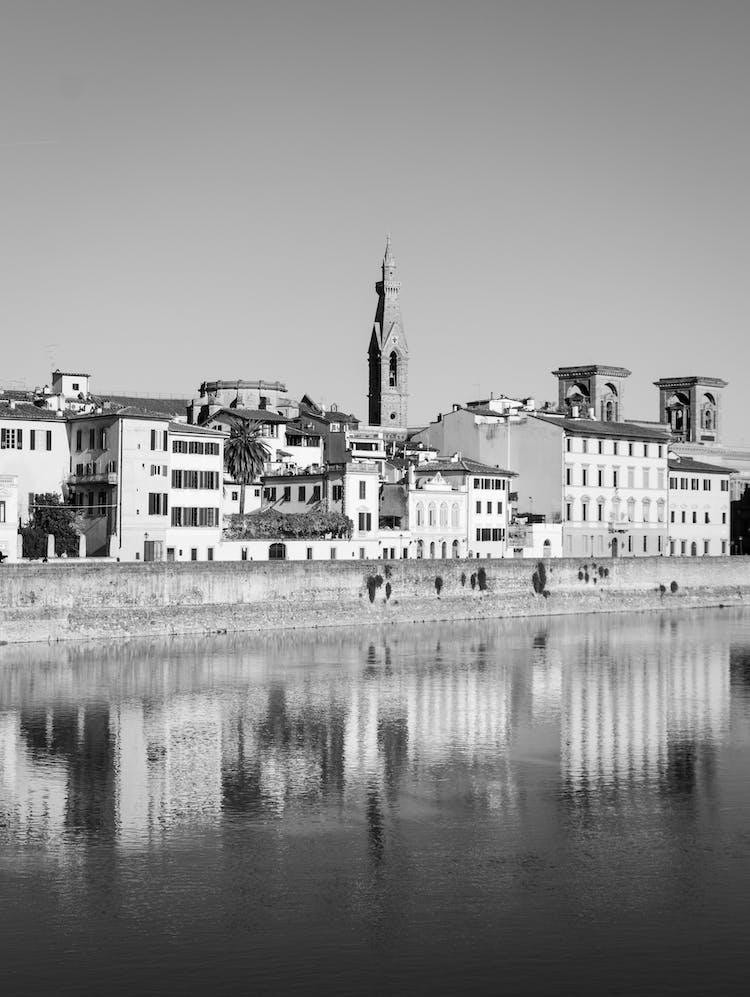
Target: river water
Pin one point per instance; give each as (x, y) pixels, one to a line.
(521, 807)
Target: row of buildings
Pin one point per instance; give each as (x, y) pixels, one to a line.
(493, 477)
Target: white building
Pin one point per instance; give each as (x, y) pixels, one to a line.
(438, 517)
(34, 448)
(8, 517)
(699, 508)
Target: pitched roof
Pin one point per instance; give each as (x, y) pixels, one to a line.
(593, 427)
(29, 413)
(445, 464)
(699, 467)
(166, 406)
(192, 430)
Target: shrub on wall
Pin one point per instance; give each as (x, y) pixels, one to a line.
(271, 525)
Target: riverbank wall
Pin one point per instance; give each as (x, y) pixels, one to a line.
(70, 600)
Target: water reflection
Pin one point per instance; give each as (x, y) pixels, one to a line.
(491, 762)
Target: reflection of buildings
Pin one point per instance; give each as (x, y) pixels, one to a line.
(636, 715)
(33, 791)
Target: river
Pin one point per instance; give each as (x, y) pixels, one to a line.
(529, 807)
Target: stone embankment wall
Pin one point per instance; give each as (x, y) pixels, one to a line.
(69, 600)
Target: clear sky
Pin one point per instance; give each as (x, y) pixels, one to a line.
(196, 190)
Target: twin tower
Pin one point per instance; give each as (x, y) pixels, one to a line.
(388, 355)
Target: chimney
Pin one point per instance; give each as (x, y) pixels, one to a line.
(592, 413)
(575, 412)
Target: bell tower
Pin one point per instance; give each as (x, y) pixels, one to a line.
(388, 355)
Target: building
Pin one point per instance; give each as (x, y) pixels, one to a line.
(487, 489)
(388, 355)
(148, 488)
(699, 508)
(605, 483)
(8, 517)
(438, 515)
(34, 449)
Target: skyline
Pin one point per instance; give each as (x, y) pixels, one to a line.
(204, 192)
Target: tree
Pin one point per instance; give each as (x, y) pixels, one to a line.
(50, 515)
(244, 455)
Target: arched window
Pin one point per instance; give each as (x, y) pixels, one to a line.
(693, 549)
(393, 370)
(546, 548)
(431, 514)
(646, 510)
(420, 514)
(420, 549)
(443, 514)
(444, 550)
(609, 411)
(660, 511)
(454, 515)
(455, 549)
(277, 552)
(432, 550)
(631, 510)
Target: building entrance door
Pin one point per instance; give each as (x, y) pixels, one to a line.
(614, 547)
(153, 550)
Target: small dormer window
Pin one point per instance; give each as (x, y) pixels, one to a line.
(75, 386)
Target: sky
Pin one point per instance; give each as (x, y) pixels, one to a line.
(201, 190)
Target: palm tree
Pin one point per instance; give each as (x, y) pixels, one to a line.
(244, 455)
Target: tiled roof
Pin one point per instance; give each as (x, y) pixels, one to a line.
(191, 430)
(687, 465)
(462, 464)
(126, 412)
(29, 413)
(327, 417)
(165, 406)
(593, 427)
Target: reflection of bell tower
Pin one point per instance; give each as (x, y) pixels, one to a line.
(388, 356)
(691, 407)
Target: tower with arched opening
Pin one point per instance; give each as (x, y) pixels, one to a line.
(388, 355)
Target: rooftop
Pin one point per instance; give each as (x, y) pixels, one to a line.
(593, 427)
(250, 415)
(191, 430)
(445, 464)
(589, 370)
(689, 465)
(685, 382)
(29, 413)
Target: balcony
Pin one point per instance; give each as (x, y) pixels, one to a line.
(95, 477)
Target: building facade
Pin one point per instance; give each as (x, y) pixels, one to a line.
(699, 508)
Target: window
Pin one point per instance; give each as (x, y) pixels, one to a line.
(630, 449)
(585, 510)
(444, 514)
(431, 514)
(277, 552)
(569, 511)
(337, 493)
(103, 439)
(671, 516)
(645, 545)
(646, 477)
(193, 553)
(600, 511)
(631, 477)
(489, 508)
(32, 439)
(157, 504)
(600, 477)
(479, 507)
(420, 514)
(615, 476)
(210, 553)
(309, 553)
(723, 546)
(2, 511)
(725, 485)
(11, 439)
(601, 445)
(333, 553)
(365, 522)
(705, 546)
(92, 439)
(707, 518)
(499, 508)
(393, 370)
(235, 496)
(695, 516)
(74, 386)
(315, 493)
(567, 444)
(79, 443)
(363, 489)
(694, 484)
(243, 554)
(673, 483)
(287, 496)
(194, 516)
(269, 493)
(723, 519)
(684, 519)
(454, 516)
(568, 476)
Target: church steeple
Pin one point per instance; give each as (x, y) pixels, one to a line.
(388, 356)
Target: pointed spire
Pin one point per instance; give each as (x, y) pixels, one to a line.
(388, 257)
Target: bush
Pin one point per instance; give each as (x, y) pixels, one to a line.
(388, 590)
(473, 580)
(539, 578)
(272, 525)
(673, 587)
(482, 579)
(373, 583)
(438, 585)
(51, 515)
